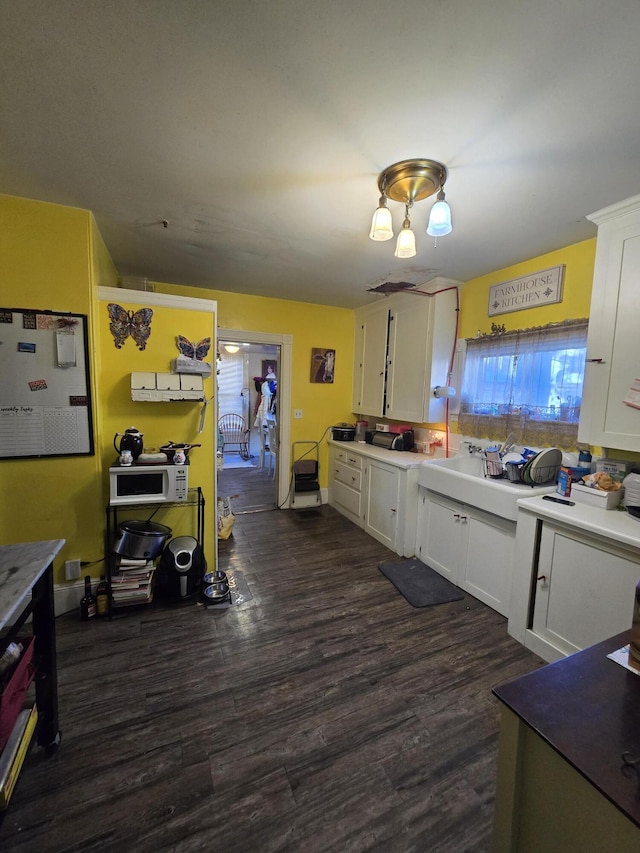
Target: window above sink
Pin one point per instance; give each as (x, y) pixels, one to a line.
(527, 382)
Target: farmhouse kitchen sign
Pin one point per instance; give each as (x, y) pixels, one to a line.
(529, 291)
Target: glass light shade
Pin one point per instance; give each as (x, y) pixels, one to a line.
(381, 225)
(406, 245)
(231, 348)
(439, 219)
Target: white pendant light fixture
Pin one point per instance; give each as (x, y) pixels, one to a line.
(409, 181)
(406, 245)
(439, 218)
(381, 225)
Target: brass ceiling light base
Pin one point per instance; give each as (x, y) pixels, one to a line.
(412, 180)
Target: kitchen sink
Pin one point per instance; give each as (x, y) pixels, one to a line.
(462, 478)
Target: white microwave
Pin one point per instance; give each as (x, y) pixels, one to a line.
(148, 484)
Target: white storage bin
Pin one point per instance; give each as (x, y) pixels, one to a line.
(596, 497)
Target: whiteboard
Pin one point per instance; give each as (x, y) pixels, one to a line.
(45, 399)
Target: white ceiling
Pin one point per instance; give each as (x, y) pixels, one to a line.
(257, 130)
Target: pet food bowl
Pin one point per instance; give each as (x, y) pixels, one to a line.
(214, 577)
(217, 592)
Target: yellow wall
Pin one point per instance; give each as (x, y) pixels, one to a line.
(160, 423)
(46, 263)
(576, 298)
(320, 326)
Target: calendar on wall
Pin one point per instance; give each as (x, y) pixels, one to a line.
(45, 392)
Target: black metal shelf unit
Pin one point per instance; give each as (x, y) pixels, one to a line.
(195, 498)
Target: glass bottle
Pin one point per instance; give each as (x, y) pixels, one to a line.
(87, 602)
(634, 646)
(102, 597)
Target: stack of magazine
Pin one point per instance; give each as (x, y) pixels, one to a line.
(132, 583)
(15, 751)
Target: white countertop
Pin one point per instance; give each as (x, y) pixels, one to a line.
(399, 458)
(20, 567)
(612, 524)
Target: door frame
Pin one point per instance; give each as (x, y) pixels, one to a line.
(285, 342)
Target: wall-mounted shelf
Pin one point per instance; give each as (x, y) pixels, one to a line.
(166, 387)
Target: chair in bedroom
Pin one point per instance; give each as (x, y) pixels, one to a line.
(233, 430)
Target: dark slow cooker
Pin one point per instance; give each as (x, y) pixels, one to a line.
(343, 432)
(141, 539)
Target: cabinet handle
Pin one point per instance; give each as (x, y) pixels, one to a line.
(542, 578)
(456, 515)
(463, 518)
(595, 360)
(353, 479)
(393, 510)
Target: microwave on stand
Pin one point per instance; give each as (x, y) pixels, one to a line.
(148, 483)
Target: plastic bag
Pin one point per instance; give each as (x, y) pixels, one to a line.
(226, 519)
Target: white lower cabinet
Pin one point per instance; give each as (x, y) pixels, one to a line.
(345, 483)
(583, 591)
(475, 550)
(382, 503)
(375, 494)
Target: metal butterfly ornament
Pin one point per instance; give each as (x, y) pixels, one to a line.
(197, 351)
(124, 323)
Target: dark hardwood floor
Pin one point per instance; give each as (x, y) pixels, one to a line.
(250, 489)
(324, 714)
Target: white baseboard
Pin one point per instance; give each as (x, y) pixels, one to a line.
(66, 597)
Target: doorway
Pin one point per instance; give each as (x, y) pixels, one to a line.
(250, 386)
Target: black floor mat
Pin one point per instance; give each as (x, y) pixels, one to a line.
(420, 584)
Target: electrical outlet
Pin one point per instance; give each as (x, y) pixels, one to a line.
(72, 570)
(297, 413)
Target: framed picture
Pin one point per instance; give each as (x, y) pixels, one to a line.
(268, 369)
(323, 363)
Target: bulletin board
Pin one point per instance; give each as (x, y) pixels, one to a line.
(45, 392)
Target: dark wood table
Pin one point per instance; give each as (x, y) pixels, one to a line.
(586, 707)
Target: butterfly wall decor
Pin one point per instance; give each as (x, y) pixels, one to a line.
(124, 323)
(197, 351)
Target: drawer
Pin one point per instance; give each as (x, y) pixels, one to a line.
(347, 497)
(348, 458)
(350, 476)
(353, 459)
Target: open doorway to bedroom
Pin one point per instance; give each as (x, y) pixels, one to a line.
(247, 403)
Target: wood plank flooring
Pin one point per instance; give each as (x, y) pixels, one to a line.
(324, 714)
(250, 489)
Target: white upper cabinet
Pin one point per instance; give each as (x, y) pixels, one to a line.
(408, 358)
(403, 349)
(370, 364)
(613, 347)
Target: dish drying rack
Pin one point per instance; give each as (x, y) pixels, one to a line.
(519, 472)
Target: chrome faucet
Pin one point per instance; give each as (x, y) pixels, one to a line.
(474, 449)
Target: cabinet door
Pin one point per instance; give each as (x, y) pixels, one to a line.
(584, 593)
(442, 530)
(408, 359)
(612, 352)
(487, 565)
(382, 500)
(370, 361)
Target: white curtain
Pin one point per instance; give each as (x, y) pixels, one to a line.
(526, 382)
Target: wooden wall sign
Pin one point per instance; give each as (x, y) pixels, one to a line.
(528, 291)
